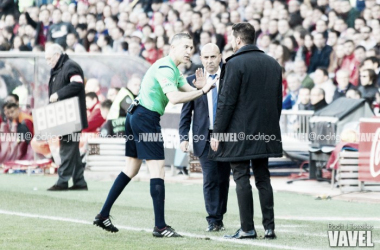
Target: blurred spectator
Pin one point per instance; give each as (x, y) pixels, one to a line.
(317, 98)
(94, 117)
(104, 43)
(294, 85)
(300, 71)
(150, 53)
(72, 43)
(303, 102)
(342, 78)
(321, 54)
(93, 85)
(41, 27)
(17, 117)
(322, 81)
(360, 53)
(112, 93)
(373, 63)
(114, 127)
(9, 7)
(367, 41)
(368, 87)
(350, 63)
(59, 29)
(353, 94)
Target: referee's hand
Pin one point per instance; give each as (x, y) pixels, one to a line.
(200, 79)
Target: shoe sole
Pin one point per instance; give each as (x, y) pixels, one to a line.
(162, 236)
(96, 224)
(241, 238)
(270, 237)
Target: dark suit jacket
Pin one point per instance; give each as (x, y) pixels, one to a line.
(320, 58)
(201, 121)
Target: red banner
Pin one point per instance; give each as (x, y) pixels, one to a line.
(369, 150)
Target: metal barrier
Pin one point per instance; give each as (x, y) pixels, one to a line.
(27, 73)
(295, 124)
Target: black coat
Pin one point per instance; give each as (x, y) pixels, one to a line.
(369, 93)
(250, 102)
(319, 58)
(60, 83)
(342, 93)
(9, 7)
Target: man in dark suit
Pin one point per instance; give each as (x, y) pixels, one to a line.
(216, 175)
(66, 81)
(249, 109)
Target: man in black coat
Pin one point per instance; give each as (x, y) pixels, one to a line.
(66, 81)
(321, 53)
(246, 130)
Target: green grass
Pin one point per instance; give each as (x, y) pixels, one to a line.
(184, 211)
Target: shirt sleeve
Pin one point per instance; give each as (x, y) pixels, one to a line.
(181, 81)
(166, 77)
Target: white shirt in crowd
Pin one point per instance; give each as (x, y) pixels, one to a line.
(329, 89)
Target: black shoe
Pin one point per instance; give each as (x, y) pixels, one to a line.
(105, 223)
(269, 234)
(240, 234)
(78, 188)
(215, 227)
(167, 231)
(57, 188)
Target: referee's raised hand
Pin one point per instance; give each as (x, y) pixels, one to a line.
(200, 79)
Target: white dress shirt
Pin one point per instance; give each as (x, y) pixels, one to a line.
(209, 97)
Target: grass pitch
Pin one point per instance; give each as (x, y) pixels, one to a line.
(32, 218)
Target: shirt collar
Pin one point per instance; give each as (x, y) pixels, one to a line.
(217, 72)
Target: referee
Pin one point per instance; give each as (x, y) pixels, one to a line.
(162, 83)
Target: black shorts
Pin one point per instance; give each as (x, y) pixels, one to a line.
(143, 135)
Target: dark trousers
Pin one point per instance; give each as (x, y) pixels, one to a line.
(216, 181)
(71, 162)
(241, 174)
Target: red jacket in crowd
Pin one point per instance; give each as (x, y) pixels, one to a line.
(94, 118)
(351, 64)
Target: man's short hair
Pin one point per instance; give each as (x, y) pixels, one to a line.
(349, 41)
(373, 59)
(337, 33)
(206, 7)
(10, 105)
(180, 36)
(360, 47)
(245, 31)
(82, 26)
(324, 70)
(197, 13)
(106, 104)
(321, 91)
(92, 96)
(14, 96)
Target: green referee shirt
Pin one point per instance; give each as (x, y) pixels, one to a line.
(161, 78)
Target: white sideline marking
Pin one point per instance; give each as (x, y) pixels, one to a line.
(243, 242)
(327, 219)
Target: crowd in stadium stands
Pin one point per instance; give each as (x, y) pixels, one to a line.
(328, 49)
(333, 45)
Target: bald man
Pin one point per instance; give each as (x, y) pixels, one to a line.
(93, 85)
(216, 175)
